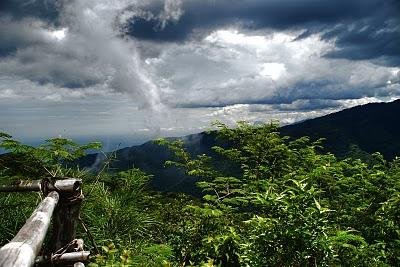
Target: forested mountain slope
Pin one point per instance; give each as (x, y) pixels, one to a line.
(372, 128)
(352, 132)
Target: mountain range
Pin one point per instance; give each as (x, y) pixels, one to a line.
(353, 132)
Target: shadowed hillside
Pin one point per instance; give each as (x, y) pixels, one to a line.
(351, 132)
(372, 128)
(150, 158)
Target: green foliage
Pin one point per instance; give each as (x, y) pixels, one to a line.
(15, 209)
(27, 162)
(115, 204)
(155, 255)
(289, 205)
(275, 202)
(48, 158)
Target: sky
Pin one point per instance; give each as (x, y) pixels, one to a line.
(126, 71)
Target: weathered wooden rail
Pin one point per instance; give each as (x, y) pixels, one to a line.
(62, 201)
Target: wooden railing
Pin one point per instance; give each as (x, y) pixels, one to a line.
(61, 204)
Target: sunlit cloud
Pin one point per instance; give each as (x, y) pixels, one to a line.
(153, 68)
(59, 35)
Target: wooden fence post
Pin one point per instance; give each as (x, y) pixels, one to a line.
(66, 217)
(62, 204)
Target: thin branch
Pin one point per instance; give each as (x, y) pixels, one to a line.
(90, 236)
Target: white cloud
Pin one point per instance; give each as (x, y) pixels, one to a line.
(60, 34)
(87, 50)
(229, 67)
(273, 70)
(91, 79)
(172, 12)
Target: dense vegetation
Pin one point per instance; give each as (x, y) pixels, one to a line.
(272, 202)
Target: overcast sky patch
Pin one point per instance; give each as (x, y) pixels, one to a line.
(146, 69)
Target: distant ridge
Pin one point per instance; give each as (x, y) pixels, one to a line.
(373, 127)
(368, 128)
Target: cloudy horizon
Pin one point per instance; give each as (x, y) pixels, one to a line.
(134, 70)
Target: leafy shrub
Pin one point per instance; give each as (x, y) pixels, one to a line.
(289, 205)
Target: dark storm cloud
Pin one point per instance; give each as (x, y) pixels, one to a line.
(18, 34)
(47, 10)
(370, 39)
(253, 14)
(362, 29)
(17, 18)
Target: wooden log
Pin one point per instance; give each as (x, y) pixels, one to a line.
(66, 257)
(24, 247)
(66, 185)
(62, 185)
(73, 256)
(21, 186)
(65, 219)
